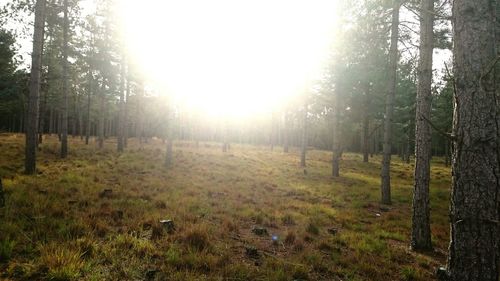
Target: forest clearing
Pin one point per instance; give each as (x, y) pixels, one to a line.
(339, 140)
(62, 224)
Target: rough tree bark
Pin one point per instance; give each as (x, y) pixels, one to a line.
(475, 197)
(389, 106)
(421, 228)
(64, 106)
(32, 112)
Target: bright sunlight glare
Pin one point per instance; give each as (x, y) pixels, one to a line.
(230, 58)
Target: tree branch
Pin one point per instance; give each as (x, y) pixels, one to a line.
(441, 132)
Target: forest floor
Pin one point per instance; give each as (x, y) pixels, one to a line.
(96, 215)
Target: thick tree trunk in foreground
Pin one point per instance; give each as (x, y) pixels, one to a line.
(389, 106)
(32, 113)
(475, 196)
(64, 132)
(421, 228)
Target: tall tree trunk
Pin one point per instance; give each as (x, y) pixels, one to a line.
(389, 106)
(51, 120)
(273, 131)
(366, 123)
(408, 146)
(304, 137)
(89, 95)
(168, 156)
(36, 63)
(140, 115)
(74, 119)
(286, 132)
(80, 122)
(225, 144)
(421, 228)
(127, 95)
(475, 206)
(336, 136)
(121, 113)
(64, 133)
(41, 122)
(100, 125)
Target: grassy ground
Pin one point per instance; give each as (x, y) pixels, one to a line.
(62, 225)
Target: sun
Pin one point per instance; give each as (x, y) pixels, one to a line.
(230, 58)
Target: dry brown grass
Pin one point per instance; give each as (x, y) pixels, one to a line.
(62, 225)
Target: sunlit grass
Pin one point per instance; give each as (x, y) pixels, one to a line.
(58, 224)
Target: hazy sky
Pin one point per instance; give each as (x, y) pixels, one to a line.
(227, 57)
(231, 57)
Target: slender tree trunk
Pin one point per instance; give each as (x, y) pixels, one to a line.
(80, 123)
(421, 228)
(140, 114)
(389, 106)
(273, 132)
(43, 109)
(89, 95)
(121, 113)
(22, 126)
(74, 119)
(64, 133)
(304, 138)
(286, 132)
(100, 125)
(408, 146)
(127, 95)
(51, 120)
(36, 63)
(366, 124)
(475, 206)
(225, 144)
(168, 156)
(336, 154)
